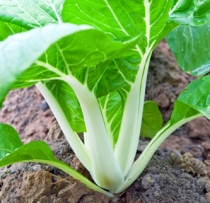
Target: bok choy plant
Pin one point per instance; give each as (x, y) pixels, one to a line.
(90, 59)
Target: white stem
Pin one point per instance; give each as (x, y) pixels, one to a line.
(149, 151)
(105, 170)
(73, 139)
(126, 147)
(86, 141)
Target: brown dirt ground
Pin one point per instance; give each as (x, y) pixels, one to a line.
(178, 172)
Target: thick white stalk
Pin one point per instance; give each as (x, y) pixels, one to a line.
(73, 139)
(126, 147)
(86, 142)
(105, 170)
(140, 164)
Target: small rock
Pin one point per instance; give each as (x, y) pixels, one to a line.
(162, 100)
(202, 128)
(207, 185)
(64, 149)
(207, 197)
(148, 180)
(158, 192)
(202, 200)
(189, 163)
(115, 200)
(44, 200)
(17, 167)
(166, 149)
(55, 132)
(30, 129)
(36, 167)
(174, 78)
(200, 185)
(44, 105)
(142, 145)
(175, 156)
(31, 179)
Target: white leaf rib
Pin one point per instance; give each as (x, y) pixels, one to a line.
(147, 20)
(64, 59)
(115, 17)
(120, 72)
(93, 19)
(55, 11)
(38, 80)
(10, 28)
(51, 68)
(175, 7)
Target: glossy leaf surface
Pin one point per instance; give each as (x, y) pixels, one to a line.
(197, 95)
(152, 120)
(12, 151)
(19, 52)
(69, 104)
(9, 140)
(30, 13)
(191, 48)
(190, 12)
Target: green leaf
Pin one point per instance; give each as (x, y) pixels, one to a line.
(35, 151)
(119, 73)
(13, 151)
(20, 51)
(181, 112)
(91, 48)
(69, 56)
(7, 29)
(30, 13)
(9, 140)
(112, 108)
(192, 103)
(197, 95)
(194, 100)
(190, 12)
(68, 103)
(120, 18)
(152, 120)
(83, 55)
(191, 48)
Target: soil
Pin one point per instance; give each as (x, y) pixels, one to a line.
(178, 172)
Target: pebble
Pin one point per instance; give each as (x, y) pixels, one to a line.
(64, 149)
(207, 197)
(115, 200)
(200, 186)
(44, 105)
(207, 186)
(148, 180)
(202, 200)
(36, 167)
